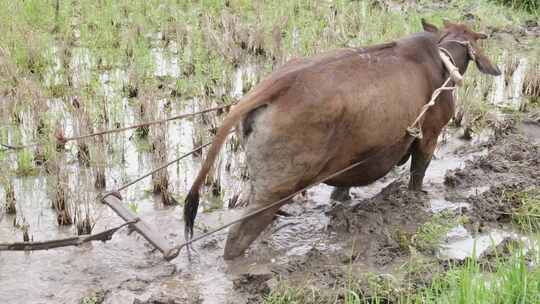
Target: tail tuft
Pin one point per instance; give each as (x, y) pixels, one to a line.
(191, 204)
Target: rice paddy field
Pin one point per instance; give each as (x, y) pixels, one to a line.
(69, 68)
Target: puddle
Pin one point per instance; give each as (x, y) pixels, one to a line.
(166, 61)
(531, 131)
(243, 76)
(508, 95)
(459, 244)
(449, 156)
(472, 191)
(439, 205)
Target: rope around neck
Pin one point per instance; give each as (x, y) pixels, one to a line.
(470, 50)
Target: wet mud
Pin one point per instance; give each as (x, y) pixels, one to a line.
(511, 165)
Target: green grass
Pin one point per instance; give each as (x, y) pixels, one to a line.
(119, 36)
(531, 6)
(123, 27)
(511, 279)
(94, 297)
(526, 211)
(429, 235)
(25, 164)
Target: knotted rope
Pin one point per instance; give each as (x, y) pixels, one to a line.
(415, 130)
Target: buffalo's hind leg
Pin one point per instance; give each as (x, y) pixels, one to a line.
(242, 234)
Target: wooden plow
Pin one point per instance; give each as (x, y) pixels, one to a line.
(114, 201)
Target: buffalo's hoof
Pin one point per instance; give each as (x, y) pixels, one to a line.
(340, 194)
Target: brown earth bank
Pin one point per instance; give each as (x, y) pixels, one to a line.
(512, 165)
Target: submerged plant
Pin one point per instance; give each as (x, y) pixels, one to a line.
(429, 235)
(168, 199)
(84, 222)
(146, 113)
(100, 181)
(531, 83)
(83, 127)
(160, 179)
(26, 237)
(83, 153)
(58, 188)
(25, 163)
(133, 206)
(10, 203)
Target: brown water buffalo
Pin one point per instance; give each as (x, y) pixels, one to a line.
(315, 116)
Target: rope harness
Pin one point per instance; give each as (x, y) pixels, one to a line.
(415, 130)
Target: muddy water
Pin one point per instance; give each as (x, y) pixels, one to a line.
(125, 268)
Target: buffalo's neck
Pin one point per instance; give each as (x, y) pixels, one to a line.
(422, 48)
(459, 55)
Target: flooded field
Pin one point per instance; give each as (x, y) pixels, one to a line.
(485, 167)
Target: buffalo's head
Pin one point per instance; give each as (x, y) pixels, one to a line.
(450, 37)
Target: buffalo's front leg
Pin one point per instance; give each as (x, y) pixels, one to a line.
(422, 152)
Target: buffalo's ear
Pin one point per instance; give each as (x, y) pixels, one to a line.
(428, 27)
(485, 66)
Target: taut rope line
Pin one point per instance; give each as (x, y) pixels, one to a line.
(63, 140)
(123, 187)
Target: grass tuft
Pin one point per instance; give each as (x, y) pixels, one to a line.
(526, 209)
(429, 235)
